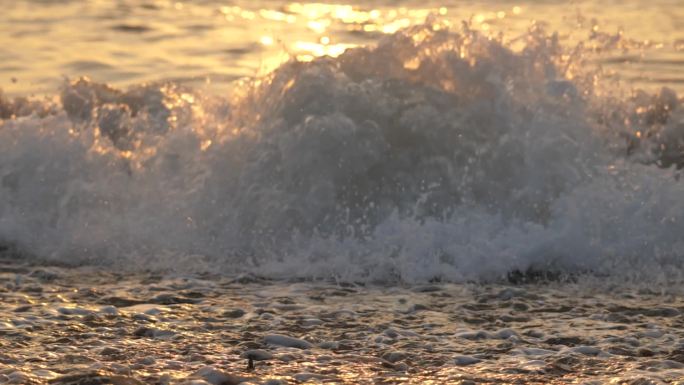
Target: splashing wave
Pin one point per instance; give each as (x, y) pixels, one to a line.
(433, 155)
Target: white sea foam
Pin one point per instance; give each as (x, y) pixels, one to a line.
(436, 154)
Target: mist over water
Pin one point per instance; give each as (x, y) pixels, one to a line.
(437, 153)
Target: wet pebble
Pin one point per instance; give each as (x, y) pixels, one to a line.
(329, 345)
(110, 351)
(234, 313)
(466, 360)
(287, 341)
(586, 350)
(216, 377)
(153, 333)
(394, 356)
(311, 322)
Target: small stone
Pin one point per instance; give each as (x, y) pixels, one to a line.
(478, 335)
(109, 310)
(193, 382)
(618, 318)
(565, 340)
(643, 352)
(274, 381)
(287, 341)
(44, 275)
(311, 322)
(534, 333)
(110, 351)
(143, 332)
(418, 307)
(504, 334)
(394, 356)
(45, 374)
(466, 360)
(217, 377)
(147, 361)
(642, 381)
(663, 312)
(330, 345)
(18, 377)
(587, 350)
(307, 377)
(94, 378)
(287, 307)
(73, 311)
(119, 301)
(172, 299)
(234, 313)
(153, 333)
(507, 294)
(266, 316)
(621, 351)
(22, 308)
(391, 333)
(286, 357)
(427, 289)
(146, 309)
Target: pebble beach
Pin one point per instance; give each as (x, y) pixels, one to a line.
(91, 326)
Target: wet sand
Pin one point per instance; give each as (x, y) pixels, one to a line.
(90, 326)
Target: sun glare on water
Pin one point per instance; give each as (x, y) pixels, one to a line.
(215, 42)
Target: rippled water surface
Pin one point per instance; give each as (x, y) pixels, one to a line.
(214, 42)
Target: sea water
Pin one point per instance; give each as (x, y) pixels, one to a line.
(379, 141)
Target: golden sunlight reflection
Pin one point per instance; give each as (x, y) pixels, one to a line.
(319, 18)
(212, 43)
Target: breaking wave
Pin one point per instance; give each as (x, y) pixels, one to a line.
(435, 154)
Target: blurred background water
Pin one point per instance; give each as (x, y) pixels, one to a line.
(214, 42)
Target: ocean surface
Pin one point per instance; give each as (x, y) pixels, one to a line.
(385, 141)
(213, 42)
